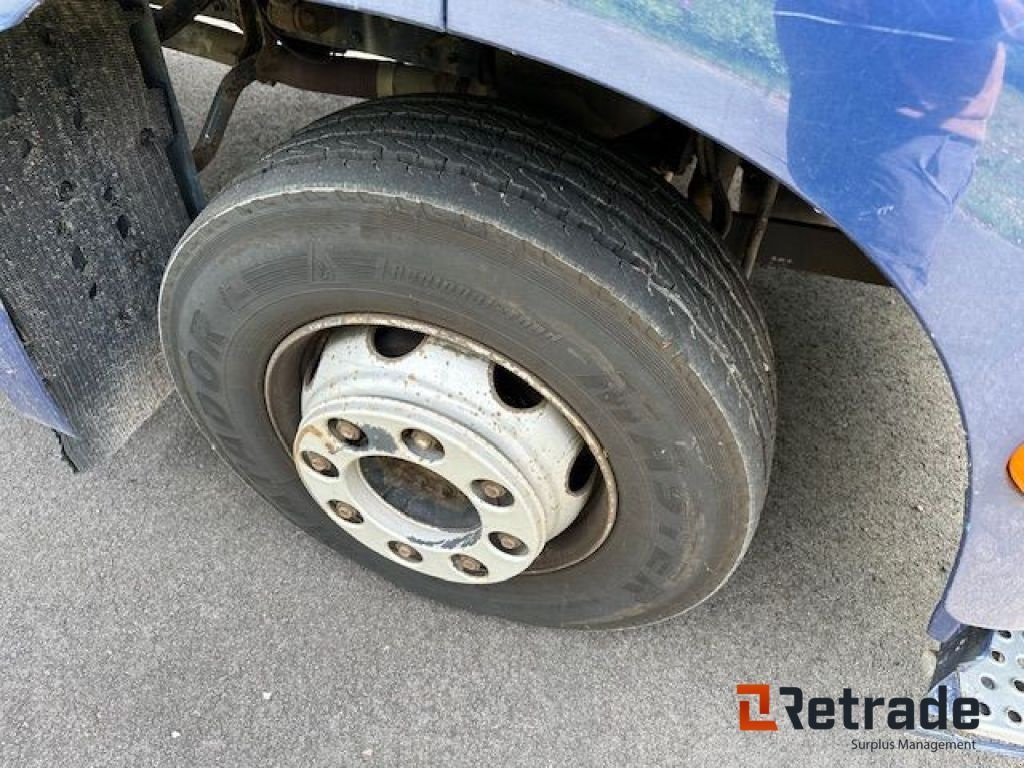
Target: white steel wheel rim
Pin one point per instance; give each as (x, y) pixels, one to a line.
(411, 507)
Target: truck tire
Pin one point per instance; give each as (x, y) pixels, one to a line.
(581, 278)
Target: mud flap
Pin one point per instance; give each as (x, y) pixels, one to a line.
(96, 187)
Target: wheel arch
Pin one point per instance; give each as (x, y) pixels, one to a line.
(958, 312)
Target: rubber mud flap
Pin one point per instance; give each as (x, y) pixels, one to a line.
(90, 209)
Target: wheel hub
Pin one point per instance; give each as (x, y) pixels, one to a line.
(419, 493)
(436, 456)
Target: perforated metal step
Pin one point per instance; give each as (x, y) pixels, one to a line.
(989, 666)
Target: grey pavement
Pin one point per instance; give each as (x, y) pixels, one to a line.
(156, 612)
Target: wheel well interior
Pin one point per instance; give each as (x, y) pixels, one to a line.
(322, 48)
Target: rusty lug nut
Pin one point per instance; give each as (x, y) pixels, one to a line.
(405, 552)
(469, 565)
(347, 431)
(346, 512)
(319, 464)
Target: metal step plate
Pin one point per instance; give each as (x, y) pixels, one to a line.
(989, 666)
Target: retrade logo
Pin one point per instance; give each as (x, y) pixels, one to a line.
(853, 713)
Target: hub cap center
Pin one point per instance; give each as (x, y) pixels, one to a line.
(420, 494)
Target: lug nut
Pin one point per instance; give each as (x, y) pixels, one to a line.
(346, 512)
(405, 551)
(347, 431)
(492, 490)
(319, 464)
(508, 543)
(493, 493)
(423, 444)
(422, 440)
(469, 565)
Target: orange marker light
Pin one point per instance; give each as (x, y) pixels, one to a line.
(1016, 468)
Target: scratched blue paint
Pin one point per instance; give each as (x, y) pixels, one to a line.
(21, 383)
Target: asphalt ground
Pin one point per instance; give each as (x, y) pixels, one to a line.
(156, 612)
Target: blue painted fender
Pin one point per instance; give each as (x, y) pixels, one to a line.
(881, 114)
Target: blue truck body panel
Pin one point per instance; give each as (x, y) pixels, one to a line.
(13, 11)
(24, 387)
(879, 112)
